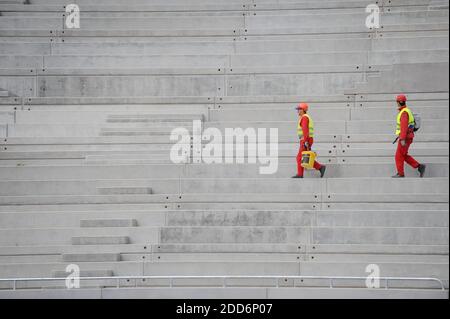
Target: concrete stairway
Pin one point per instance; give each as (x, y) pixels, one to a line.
(86, 176)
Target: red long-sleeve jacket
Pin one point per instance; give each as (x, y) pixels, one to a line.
(405, 132)
(304, 123)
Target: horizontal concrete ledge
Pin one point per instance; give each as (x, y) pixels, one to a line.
(230, 234)
(344, 98)
(239, 217)
(224, 293)
(11, 100)
(227, 186)
(165, 200)
(300, 248)
(319, 235)
(93, 257)
(101, 240)
(225, 47)
(121, 170)
(119, 33)
(108, 223)
(206, 6)
(238, 31)
(319, 69)
(310, 200)
(238, 61)
(37, 250)
(304, 218)
(355, 29)
(102, 140)
(398, 250)
(124, 190)
(85, 273)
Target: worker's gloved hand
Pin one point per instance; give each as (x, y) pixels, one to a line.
(403, 143)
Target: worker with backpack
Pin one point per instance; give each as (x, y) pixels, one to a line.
(407, 124)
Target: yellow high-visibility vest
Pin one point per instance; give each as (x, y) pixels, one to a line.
(310, 126)
(410, 120)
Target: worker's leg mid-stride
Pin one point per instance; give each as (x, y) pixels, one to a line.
(405, 131)
(305, 132)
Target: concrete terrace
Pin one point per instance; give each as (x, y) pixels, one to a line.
(85, 173)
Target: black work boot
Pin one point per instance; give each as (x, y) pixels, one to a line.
(421, 169)
(398, 176)
(297, 176)
(322, 170)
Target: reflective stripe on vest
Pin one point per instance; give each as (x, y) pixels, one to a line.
(310, 126)
(410, 120)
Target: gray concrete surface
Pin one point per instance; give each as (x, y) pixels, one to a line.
(85, 174)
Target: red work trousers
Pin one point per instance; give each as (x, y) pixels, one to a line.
(300, 169)
(402, 156)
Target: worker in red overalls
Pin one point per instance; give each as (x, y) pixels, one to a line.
(305, 132)
(405, 136)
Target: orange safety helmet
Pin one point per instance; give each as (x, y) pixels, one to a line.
(401, 98)
(302, 106)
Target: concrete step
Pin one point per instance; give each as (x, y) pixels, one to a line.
(226, 113)
(226, 293)
(180, 103)
(432, 126)
(180, 3)
(145, 218)
(221, 186)
(85, 273)
(228, 47)
(434, 156)
(224, 22)
(30, 250)
(230, 61)
(319, 112)
(419, 28)
(108, 223)
(49, 162)
(324, 218)
(243, 201)
(323, 235)
(111, 240)
(227, 234)
(237, 9)
(106, 188)
(41, 251)
(95, 117)
(261, 257)
(98, 257)
(195, 85)
(163, 150)
(186, 104)
(398, 250)
(343, 169)
(124, 190)
(370, 258)
(197, 7)
(29, 259)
